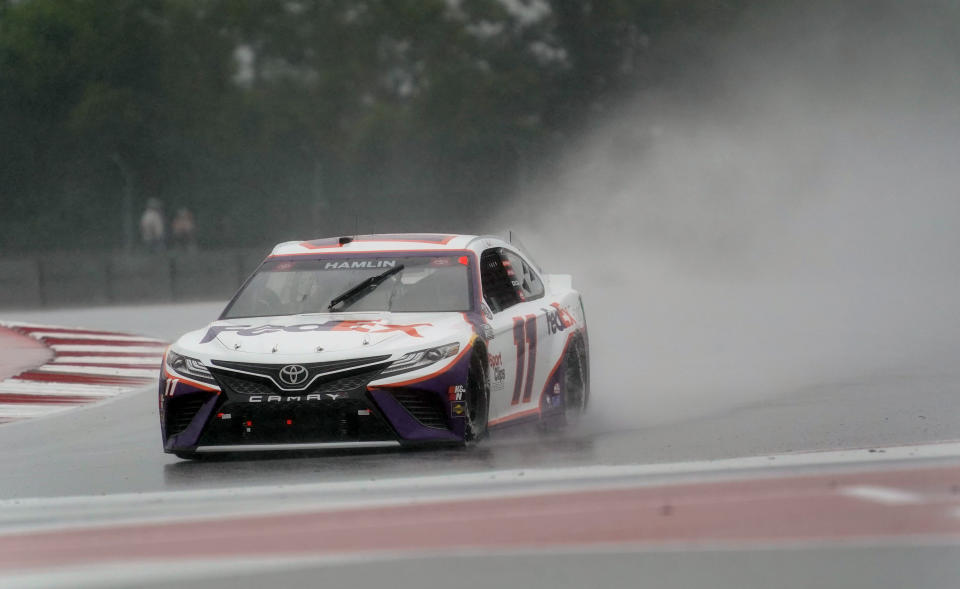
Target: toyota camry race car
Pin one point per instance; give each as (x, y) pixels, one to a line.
(379, 340)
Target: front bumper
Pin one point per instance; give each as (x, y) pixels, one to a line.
(249, 414)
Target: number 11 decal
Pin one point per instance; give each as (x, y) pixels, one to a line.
(525, 338)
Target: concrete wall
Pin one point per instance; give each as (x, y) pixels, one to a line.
(77, 279)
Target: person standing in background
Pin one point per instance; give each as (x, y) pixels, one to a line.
(152, 226)
(184, 230)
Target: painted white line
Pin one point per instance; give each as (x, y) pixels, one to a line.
(97, 370)
(57, 392)
(15, 385)
(882, 495)
(96, 348)
(31, 514)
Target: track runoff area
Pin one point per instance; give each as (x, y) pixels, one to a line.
(47, 369)
(903, 496)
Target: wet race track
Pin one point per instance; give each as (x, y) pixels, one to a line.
(855, 485)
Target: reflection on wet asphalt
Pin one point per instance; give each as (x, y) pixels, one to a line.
(115, 447)
(516, 450)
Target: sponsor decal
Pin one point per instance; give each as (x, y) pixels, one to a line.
(292, 398)
(499, 373)
(362, 326)
(455, 392)
(556, 388)
(458, 408)
(558, 318)
(355, 264)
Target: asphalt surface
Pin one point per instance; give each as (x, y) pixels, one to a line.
(798, 568)
(114, 447)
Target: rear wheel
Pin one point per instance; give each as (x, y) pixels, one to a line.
(478, 400)
(576, 383)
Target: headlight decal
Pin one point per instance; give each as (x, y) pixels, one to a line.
(421, 358)
(189, 367)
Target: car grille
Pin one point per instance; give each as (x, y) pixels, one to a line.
(252, 385)
(245, 386)
(272, 371)
(424, 406)
(346, 384)
(181, 410)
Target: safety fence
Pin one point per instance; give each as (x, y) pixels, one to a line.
(80, 278)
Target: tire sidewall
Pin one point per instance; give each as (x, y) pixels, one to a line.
(577, 354)
(478, 387)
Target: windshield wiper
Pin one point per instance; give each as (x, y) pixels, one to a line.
(363, 289)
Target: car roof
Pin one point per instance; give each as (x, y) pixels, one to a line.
(388, 242)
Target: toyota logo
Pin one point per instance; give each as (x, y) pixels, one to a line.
(293, 374)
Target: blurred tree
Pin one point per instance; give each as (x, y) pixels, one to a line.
(273, 120)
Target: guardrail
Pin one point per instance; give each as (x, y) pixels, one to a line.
(81, 278)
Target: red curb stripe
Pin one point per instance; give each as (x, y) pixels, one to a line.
(82, 378)
(19, 399)
(41, 329)
(108, 365)
(65, 341)
(108, 354)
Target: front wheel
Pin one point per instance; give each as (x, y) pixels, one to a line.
(478, 400)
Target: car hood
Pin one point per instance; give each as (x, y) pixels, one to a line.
(333, 334)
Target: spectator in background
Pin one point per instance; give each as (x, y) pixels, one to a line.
(184, 230)
(152, 228)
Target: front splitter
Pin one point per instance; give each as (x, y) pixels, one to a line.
(307, 446)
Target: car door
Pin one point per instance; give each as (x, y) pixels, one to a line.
(512, 291)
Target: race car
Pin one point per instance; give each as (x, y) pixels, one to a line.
(376, 341)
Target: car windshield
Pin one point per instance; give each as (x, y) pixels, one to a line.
(417, 284)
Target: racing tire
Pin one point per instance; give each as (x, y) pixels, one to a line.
(576, 385)
(478, 400)
(576, 391)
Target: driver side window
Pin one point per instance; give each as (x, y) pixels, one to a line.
(531, 287)
(498, 289)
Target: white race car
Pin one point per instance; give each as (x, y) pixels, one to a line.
(379, 340)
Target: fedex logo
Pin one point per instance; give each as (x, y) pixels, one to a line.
(364, 326)
(558, 318)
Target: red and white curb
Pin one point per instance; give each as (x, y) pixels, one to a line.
(84, 366)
